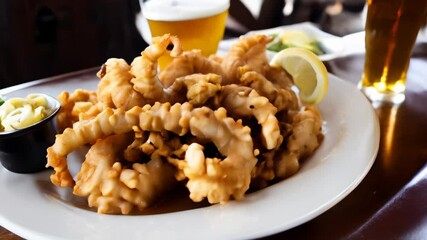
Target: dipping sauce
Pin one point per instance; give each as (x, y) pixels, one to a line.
(17, 113)
(28, 129)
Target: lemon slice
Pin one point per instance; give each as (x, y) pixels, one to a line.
(307, 70)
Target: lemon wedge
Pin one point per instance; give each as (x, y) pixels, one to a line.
(307, 70)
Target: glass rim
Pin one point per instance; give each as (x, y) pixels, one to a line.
(177, 12)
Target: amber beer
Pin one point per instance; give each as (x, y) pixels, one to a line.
(199, 24)
(391, 29)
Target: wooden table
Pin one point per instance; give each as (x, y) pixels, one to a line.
(390, 203)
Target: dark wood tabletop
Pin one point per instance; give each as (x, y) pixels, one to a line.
(390, 203)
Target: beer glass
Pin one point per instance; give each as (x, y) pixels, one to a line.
(391, 29)
(199, 24)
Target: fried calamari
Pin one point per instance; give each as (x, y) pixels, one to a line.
(218, 125)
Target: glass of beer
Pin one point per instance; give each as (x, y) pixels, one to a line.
(199, 24)
(391, 29)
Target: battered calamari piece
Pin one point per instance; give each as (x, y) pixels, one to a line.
(279, 77)
(113, 188)
(197, 88)
(217, 179)
(305, 139)
(241, 101)
(249, 51)
(283, 98)
(144, 68)
(115, 89)
(81, 104)
(133, 152)
(189, 62)
(159, 117)
(162, 144)
(155, 144)
(263, 172)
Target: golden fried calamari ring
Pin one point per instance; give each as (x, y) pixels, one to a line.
(144, 68)
(115, 89)
(241, 101)
(249, 50)
(263, 172)
(189, 62)
(199, 88)
(279, 77)
(213, 178)
(305, 139)
(111, 187)
(81, 104)
(284, 98)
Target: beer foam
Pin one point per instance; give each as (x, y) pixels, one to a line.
(178, 10)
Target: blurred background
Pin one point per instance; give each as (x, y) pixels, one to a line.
(43, 38)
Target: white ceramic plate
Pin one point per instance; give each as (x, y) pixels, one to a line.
(33, 208)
